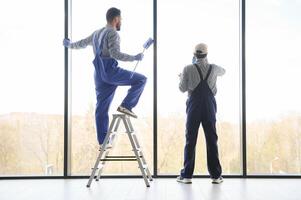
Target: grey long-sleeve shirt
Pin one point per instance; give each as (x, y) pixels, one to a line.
(111, 46)
(189, 78)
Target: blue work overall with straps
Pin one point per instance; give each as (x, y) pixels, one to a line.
(201, 108)
(107, 77)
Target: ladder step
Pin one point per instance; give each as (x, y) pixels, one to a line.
(119, 159)
(131, 133)
(120, 156)
(141, 156)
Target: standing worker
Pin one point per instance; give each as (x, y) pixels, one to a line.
(108, 76)
(199, 79)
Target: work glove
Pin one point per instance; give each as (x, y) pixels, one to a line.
(139, 56)
(66, 43)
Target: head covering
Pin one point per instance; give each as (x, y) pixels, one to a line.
(201, 49)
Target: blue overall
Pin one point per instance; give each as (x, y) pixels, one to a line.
(201, 108)
(107, 76)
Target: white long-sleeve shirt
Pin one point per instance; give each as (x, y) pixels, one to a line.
(190, 78)
(110, 47)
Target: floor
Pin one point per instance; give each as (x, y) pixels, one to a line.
(161, 189)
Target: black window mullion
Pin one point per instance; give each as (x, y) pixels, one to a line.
(155, 114)
(243, 85)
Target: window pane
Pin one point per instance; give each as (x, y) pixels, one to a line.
(31, 85)
(182, 25)
(273, 87)
(137, 26)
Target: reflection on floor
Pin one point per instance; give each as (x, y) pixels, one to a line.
(161, 189)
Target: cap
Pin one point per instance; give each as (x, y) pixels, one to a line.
(201, 49)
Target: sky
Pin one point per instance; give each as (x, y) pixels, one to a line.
(32, 62)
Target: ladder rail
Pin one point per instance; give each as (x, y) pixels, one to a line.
(129, 132)
(115, 128)
(102, 150)
(142, 156)
(103, 155)
(103, 162)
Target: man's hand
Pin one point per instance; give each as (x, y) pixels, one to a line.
(139, 56)
(66, 43)
(194, 60)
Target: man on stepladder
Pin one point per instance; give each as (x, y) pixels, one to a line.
(108, 76)
(199, 79)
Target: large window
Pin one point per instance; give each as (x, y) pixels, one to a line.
(273, 43)
(182, 25)
(137, 26)
(31, 86)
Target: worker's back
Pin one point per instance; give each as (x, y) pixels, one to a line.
(98, 36)
(111, 44)
(199, 79)
(201, 100)
(190, 77)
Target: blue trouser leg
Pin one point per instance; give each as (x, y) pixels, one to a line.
(121, 77)
(213, 163)
(105, 93)
(201, 107)
(195, 115)
(192, 128)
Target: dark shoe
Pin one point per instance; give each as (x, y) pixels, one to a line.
(126, 111)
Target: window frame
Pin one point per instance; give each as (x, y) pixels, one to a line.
(67, 104)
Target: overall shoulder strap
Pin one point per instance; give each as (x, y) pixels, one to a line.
(209, 72)
(200, 73)
(99, 46)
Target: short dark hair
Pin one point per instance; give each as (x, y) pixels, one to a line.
(112, 13)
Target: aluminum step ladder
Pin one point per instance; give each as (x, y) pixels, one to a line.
(104, 157)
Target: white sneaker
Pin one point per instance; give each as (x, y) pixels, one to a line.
(180, 179)
(126, 111)
(109, 144)
(217, 180)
